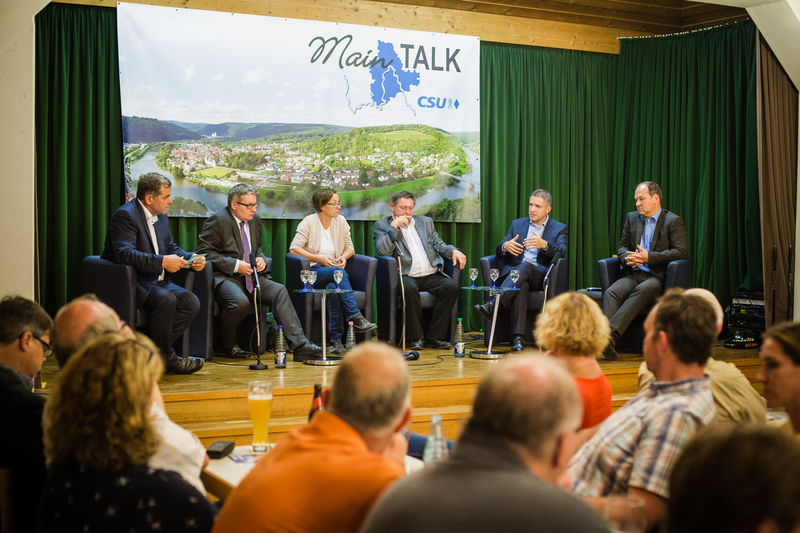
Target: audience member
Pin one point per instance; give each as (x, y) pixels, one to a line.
(324, 239)
(634, 449)
(424, 254)
(326, 475)
(229, 238)
(98, 438)
(735, 399)
(86, 318)
(500, 475)
(780, 372)
(24, 336)
(572, 328)
(138, 235)
(742, 478)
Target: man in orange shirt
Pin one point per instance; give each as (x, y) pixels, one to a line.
(326, 475)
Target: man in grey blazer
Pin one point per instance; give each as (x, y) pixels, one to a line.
(229, 255)
(651, 239)
(424, 255)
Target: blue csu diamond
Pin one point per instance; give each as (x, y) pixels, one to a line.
(456, 104)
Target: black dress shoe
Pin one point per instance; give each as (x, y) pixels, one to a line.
(308, 350)
(518, 343)
(338, 349)
(432, 342)
(362, 325)
(487, 309)
(415, 344)
(184, 365)
(233, 353)
(610, 353)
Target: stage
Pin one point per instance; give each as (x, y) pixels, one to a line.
(213, 402)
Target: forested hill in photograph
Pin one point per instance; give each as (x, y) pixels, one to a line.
(395, 138)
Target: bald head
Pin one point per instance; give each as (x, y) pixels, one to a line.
(529, 401)
(79, 322)
(709, 297)
(371, 388)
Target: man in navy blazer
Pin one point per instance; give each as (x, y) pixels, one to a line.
(528, 247)
(138, 235)
(651, 239)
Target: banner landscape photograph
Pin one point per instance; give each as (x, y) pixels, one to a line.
(214, 99)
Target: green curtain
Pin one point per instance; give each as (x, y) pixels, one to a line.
(78, 141)
(686, 119)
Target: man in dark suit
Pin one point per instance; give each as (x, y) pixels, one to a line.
(424, 254)
(24, 345)
(651, 239)
(528, 247)
(138, 235)
(229, 238)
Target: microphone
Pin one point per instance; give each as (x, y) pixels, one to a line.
(395, 239)
(411, 356)
(255, 271)
(553, 263)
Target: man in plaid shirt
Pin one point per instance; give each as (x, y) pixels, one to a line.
(634, 450)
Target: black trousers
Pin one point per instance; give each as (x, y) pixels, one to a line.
(627, 296)
(531, 278)
(446, 292)
(235, 301)
(172, 309)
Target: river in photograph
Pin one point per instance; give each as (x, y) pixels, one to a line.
(217, 201)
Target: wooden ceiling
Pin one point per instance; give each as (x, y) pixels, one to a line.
(657, 17)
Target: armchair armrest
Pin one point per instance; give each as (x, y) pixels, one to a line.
(679, 274)
(559, 278)
(114, 284)
(609, 270)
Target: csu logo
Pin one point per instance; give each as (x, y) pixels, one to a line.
(436, 102)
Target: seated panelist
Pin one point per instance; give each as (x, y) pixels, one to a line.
(324, 239)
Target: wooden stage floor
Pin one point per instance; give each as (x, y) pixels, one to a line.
(213, 402)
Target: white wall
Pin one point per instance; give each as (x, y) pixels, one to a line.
(17, 209)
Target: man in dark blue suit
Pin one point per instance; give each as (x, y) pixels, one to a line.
(138, 235)
(528, 247)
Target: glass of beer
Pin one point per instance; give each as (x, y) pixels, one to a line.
(259, 396)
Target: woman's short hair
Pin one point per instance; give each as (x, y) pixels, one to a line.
(98, 414)
(321, 197)
(572, 324)
(787, 335)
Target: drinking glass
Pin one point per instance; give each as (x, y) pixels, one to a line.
(514, 275)
(625, 514)
(304, 279)
(473, 275)
(312, 277)
(338, 274)
(259, 397)
(494, 274)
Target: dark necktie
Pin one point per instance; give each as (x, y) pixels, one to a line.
(248, 280)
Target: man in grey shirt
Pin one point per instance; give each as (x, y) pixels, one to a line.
(501, 475)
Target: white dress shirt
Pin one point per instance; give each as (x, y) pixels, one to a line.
(151, 225)
(420, 265)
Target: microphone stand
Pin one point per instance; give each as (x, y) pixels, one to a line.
(547, 278)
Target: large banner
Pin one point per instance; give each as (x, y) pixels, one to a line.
(214, 99)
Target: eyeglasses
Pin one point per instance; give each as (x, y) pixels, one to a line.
(247, 206)
(47, 348)
(334, 204)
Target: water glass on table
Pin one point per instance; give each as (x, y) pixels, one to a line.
(514, 275)
(259, 398)
(304, 278)
(312, 278)
(338, 274)
(494, 274)
(473, 275)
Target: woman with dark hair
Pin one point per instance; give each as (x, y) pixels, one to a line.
(324, 239)
(98, 437)
(780, 370)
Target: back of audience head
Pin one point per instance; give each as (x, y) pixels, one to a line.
(532, 404)
(371, 390)
(690, 325)
(741, 478)
(98, 411)
(24, 327)
(81, 321)
(572, 324)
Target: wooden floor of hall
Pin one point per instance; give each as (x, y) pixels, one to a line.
(213, 402)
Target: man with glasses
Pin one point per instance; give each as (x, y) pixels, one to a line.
(229, 238)
(24, 346)
(138, 235)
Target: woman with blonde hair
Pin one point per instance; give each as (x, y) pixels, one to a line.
(324, 239)
(98, 437)
(572, 328)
